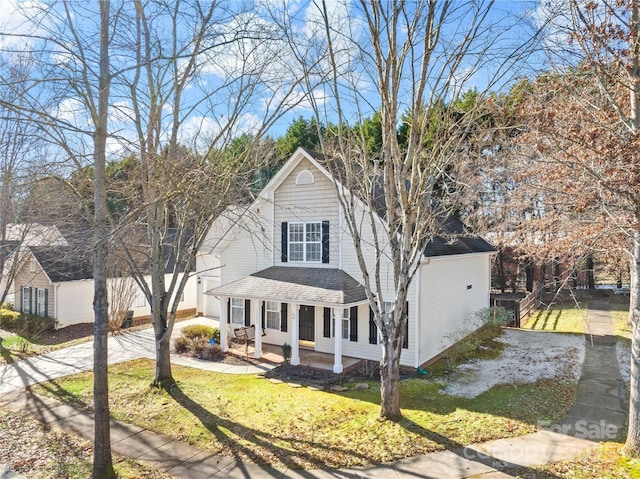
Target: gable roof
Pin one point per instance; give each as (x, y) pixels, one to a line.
(327, 286)
(454, 240)
(61, 263)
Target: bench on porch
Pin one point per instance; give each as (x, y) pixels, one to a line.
(245, 334)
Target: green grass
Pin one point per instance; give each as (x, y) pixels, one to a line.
(606, 461)
(620, 317)
(16, 347)
(253, 419)
(559, 318)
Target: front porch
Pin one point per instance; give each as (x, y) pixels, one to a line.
(313, 359)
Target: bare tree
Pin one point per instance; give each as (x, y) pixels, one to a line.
(583, 142)
(189, 96)
(67, 95)
(411, 61)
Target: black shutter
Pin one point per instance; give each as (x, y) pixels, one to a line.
(326, 329)
(284, 242)
(21, 299)
(35, 303)
(30, 300)
(264, 303)
(247, 312)
(353, 324)
(373, 329)
(325, 241)
(46, 303)
(405, 341)
(228, 310)
(283, 318)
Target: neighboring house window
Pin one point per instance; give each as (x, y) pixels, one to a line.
(26, 299)
(32, 265)
(141, 300)
(273, 312)
(41, 297)
(237, 311)
(305, 242)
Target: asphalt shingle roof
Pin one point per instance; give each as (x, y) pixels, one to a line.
(62, 263)
(297, 285)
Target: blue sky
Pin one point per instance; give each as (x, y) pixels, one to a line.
(207, 117)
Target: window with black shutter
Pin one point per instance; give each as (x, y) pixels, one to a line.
(326, 325)
(353, 324)
(405, 341)
(373, 329)
(284, 320)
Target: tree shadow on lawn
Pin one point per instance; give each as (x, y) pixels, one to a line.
(268, 441)
(262, 439)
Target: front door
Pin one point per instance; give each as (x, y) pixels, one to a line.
(307, 326)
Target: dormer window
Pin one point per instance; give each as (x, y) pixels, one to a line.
(305, 242)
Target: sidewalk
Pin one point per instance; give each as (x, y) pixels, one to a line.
(598, 385)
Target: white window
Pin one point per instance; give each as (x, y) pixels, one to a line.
(26, 292)
(237, 311)
(305, 242)
(40, 301)
(346, 319)
(141, 300)
(273, 313)
(32, 265)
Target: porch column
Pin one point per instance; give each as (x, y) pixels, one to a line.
(224, 343)
(295, 335)
(257, 322)
(337, 341)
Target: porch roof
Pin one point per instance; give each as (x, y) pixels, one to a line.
(323, 286)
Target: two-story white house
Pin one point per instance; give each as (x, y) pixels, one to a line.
(287, 264)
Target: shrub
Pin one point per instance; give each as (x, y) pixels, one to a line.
(198, 331)
(25, 324)
(181, 345)
(495, 316)
(210, 352)
(9, 318)
(195, 340)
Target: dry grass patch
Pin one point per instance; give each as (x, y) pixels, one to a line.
(37, 452)
(252, 419)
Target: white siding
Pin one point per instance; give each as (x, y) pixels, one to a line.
(448, 306)
(74, 302)
(306, 203)
(208, 272)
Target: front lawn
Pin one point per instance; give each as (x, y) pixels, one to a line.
(250, 418)
(560, 318)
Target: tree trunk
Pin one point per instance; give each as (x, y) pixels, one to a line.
(632, 444)
(390, 379)
(163, 377)
(530, 270)
(591, 282)
(102, 461)
(502, 280)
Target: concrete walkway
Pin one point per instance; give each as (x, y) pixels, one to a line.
(122, 347)
(487, 460)
(600, 411)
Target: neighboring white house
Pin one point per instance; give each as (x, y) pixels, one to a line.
(55, 282)
(287, 263)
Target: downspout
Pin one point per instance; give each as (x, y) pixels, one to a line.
(417, 318)
(273, 229)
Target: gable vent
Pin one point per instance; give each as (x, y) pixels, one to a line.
(305, 177)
